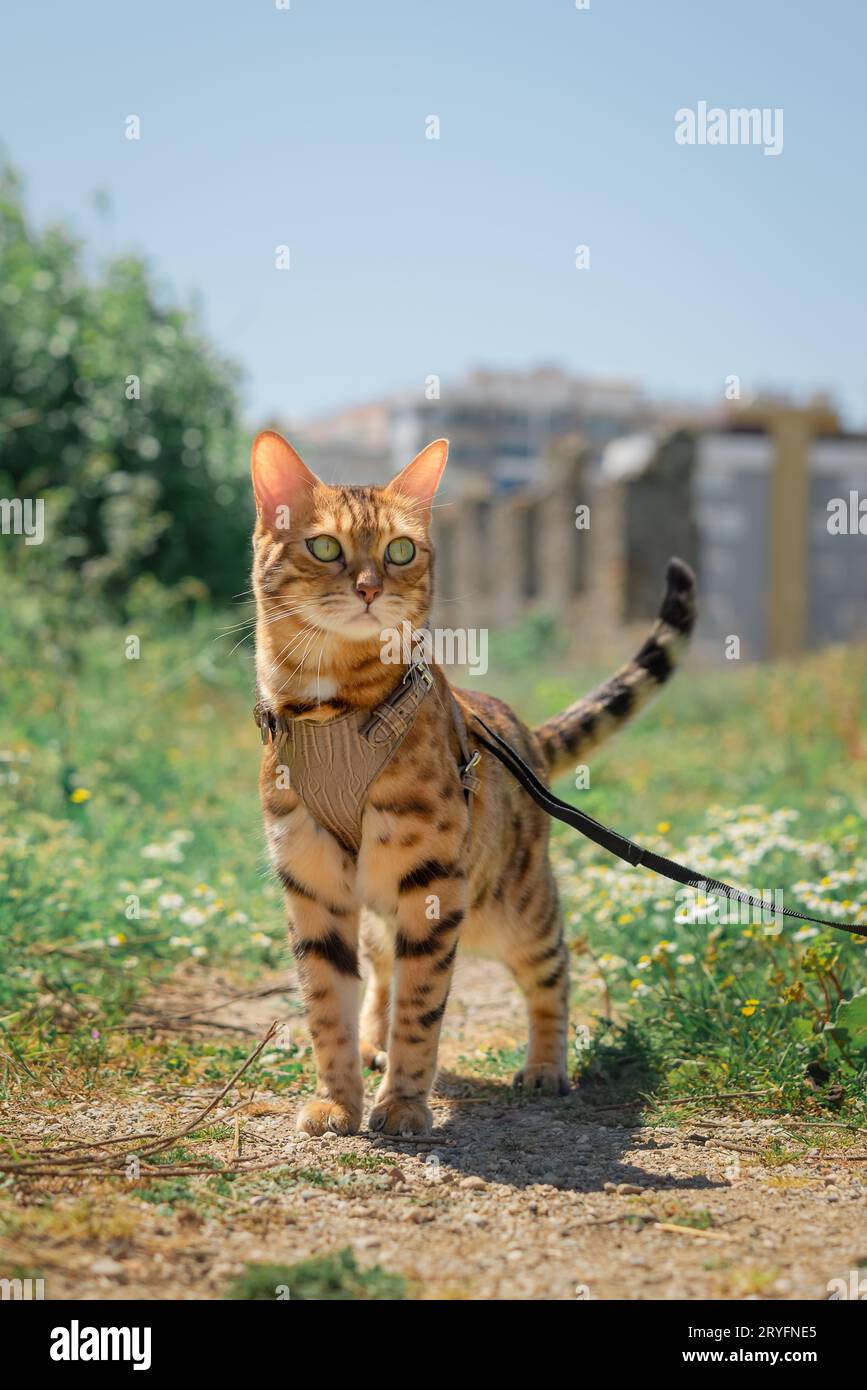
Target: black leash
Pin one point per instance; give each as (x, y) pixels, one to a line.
(627, 849)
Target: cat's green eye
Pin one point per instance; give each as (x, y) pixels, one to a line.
(324, 548)
(401, 551)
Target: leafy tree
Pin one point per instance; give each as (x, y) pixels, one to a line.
(116, 410)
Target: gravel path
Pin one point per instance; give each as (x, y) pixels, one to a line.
(511, 1199)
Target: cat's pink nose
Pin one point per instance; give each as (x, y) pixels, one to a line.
(368, 585)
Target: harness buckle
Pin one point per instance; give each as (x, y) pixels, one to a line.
(469, 781)
(421, 668)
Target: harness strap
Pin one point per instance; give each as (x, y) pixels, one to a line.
(624, 848)
(392, 719)
(332, 765)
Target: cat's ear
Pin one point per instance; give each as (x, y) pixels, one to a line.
(420, 479)
(282, 482)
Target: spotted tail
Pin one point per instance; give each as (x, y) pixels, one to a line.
(578, 730)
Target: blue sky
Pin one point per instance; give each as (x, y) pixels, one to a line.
(412, 256)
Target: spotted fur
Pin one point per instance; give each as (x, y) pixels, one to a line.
(429, 876)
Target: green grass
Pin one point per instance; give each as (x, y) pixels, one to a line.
(130, 837)
(331, 1277)
(166, 1192)
(366, 1163)
(757, 775)
(131, 843)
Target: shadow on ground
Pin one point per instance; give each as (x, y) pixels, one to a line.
(485, 1129)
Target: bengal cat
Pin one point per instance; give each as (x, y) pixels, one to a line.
(335, 567)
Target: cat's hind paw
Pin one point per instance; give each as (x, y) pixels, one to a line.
(546, 1078)
(373, 1057)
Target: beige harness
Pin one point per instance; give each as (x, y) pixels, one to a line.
(332, 766)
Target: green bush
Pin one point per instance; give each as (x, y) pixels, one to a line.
(116, 411)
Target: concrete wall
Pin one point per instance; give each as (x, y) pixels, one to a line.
(745, 506)
(501, 558)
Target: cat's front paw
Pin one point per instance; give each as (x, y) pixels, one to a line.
(545, 1077)
(401, 1116)
(317, 1116)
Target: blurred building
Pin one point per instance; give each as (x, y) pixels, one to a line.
(568, 497)
(348, 446)
(765, 502)
(765, 505)
(500, 425)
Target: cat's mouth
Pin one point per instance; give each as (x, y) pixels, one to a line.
(357, 623)
(366, 617)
